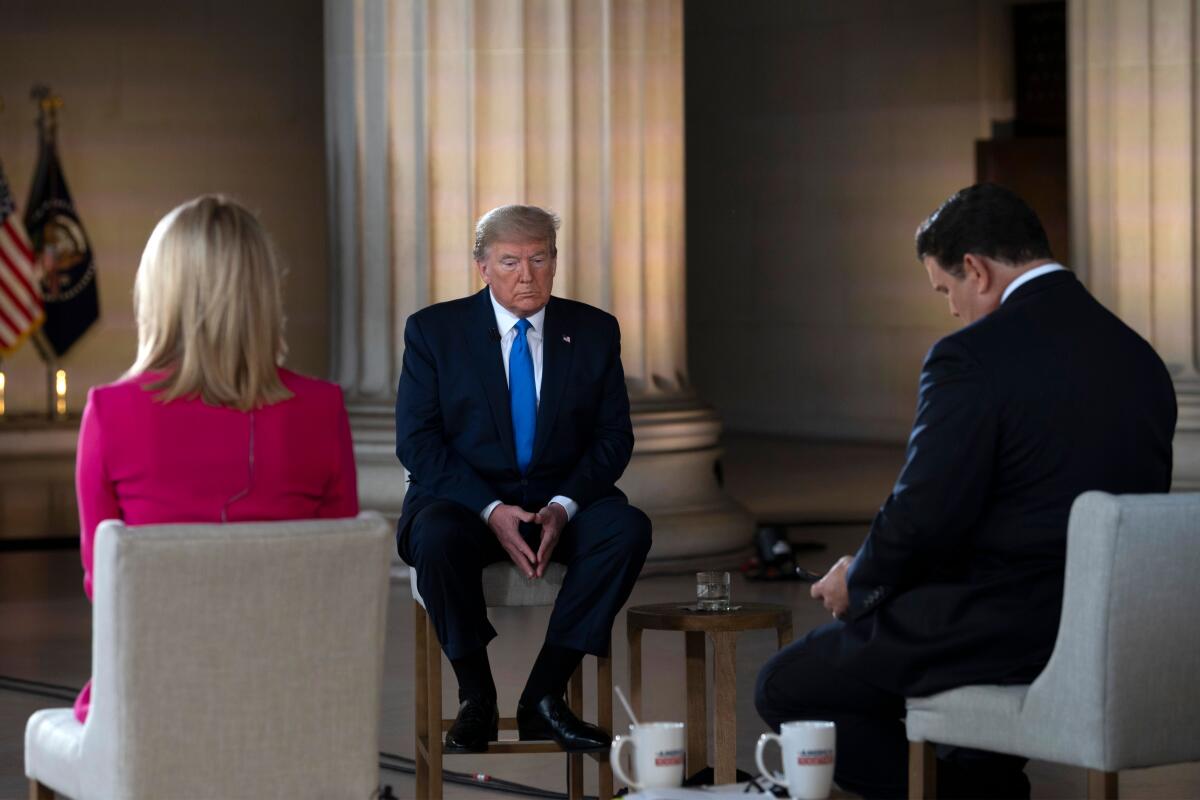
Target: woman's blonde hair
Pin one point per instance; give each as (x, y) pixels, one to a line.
(209, 307)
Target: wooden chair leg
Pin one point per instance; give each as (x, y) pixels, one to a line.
(39, 791)
(421, 701)
(695, 669)
(575, 761)
(922, 771)
(433, 668)
(1101, 785)
(604, 718)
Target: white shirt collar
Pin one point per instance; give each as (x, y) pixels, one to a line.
(505, 319)
(1026, 277)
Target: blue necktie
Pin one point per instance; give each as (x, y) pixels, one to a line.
(522, 395)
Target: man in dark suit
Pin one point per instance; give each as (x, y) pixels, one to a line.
(512, 419)
(1042, 396)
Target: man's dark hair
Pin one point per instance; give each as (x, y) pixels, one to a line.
(983, 220)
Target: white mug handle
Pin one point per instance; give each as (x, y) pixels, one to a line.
(614, 758)
(758, 758)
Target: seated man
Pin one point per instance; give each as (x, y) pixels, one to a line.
(513, 421)
(1042, 396)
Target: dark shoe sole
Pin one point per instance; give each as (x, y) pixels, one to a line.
(455, 749)
(545, 737)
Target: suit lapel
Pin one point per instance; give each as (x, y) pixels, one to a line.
(557, 351)
(483, 344)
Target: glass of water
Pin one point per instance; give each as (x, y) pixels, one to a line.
(712, 591)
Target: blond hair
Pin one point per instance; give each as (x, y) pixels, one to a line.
(515, 223)
(209, 308)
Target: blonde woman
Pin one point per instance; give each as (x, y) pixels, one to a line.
(205, 426)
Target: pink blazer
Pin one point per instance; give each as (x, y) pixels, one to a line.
(146, 462)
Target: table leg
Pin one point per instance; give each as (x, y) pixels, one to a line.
(634, 637)
(697, 702)
(725, 713)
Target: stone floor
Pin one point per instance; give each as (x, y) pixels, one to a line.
(826, 491)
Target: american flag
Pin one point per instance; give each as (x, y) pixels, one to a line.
(21, 309)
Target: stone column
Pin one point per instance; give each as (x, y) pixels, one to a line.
(439, 111)
(1134, 169)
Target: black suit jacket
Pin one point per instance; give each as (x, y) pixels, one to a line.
(453, 423)
(960, 579)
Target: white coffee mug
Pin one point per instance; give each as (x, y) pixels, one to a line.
(657, 755)
(808, 750)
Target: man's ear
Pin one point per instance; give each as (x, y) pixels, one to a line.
(482, 267)
(978, 268)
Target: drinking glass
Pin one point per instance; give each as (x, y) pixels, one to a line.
(712, 591)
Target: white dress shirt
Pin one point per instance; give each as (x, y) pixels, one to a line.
(506, 325)
(1023, 279)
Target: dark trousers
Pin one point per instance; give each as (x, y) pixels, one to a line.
(603, 547)
(872, 748)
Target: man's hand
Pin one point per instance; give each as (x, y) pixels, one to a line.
(503, 521)
(831, 590)
(552, 518)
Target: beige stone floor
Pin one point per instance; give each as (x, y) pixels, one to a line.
(45, 627)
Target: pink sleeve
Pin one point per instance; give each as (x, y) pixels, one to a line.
(95, 492)
(341, 494)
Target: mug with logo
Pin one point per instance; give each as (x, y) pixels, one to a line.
(808, 754)
(658, 749)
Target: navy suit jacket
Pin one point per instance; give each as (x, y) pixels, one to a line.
(959, 580)
(453, 422)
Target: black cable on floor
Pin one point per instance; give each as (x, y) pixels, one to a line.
(388, 761)
(52, 690)
(479, 780)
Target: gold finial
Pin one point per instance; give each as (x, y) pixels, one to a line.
(48, 106)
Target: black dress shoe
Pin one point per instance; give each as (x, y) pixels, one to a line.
(552, 719)
(477, 723)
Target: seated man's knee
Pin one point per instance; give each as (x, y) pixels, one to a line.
(438, 531)
(636, 531)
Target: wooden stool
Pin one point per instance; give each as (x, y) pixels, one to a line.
(503, 586)
(723, 627)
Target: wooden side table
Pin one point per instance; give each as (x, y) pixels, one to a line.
(723, 627)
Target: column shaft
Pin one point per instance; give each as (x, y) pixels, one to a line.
(1134, 164)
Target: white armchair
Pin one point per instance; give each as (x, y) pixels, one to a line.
(1121, 688)
(228, 661)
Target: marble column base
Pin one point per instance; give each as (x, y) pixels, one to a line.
(1187, 438)
(672, 477)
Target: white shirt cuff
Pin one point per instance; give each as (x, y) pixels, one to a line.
(569, 505)
(487, 512)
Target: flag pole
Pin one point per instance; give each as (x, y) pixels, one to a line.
(47, 355)
(48, 104)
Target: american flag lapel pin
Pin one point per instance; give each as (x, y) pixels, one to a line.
(566, 339)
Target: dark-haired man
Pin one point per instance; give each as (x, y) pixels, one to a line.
(513, 421)
(1042, 396)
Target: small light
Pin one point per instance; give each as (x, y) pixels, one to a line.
(3, 385)
(60, 392)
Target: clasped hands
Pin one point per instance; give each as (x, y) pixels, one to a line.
(504, 522)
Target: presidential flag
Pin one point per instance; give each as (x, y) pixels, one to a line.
(61, 249)
(20, 301)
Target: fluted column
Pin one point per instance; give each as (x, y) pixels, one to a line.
(1134, 178)
(439, 111)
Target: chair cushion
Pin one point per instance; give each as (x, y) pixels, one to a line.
(504, 586)
(985, 717)
(53, 747)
